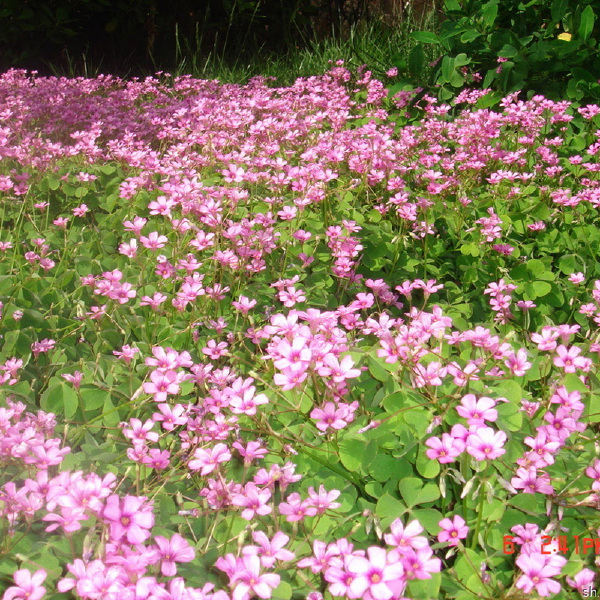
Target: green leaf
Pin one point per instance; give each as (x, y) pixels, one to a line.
(568, 264)
(60, 399)
(93, 398)
(508, 51)
(389, 507)
(456, 79)
(429, 518)
(70, 400)
(467, 564)
(510, 390)
(586, 23)
(558, 9)
(111, 415)
(424, 589)
(377, 368)
(107, 169)
(470, 35)
(416, 61)
(283, 591)
(425, 466)
(470, 249)
(489, 13)
(356, 454)
(396, 401)
(534, 504)
(425, 37)
(419, 419)
(384, 467)
(537, 289)
(414, 491)
(167, 508)
(447, 68)
(461, 60)
(593, 415)
(509, 416)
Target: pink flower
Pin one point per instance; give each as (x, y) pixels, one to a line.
(214, 350)
(339, 371)
(80, 210)
(156, 458)
(444, 450)
(420, 564)
(517, 362)
(129, 249)
(269, 551)
(477, 411)
(153, 241)
(576, 278)
(208, 459)
(342, 581)
(373, 574)
(537, 572)
(253, 451)
(127, 353)
(453, 530)
(44, 346)
(583, 582)
(526, 305)
(323, 500)
(248, 578)
(68, 519)
(569, 359)
(171, 551)
(406, 538)
(486, 444)
(291, 296)
(129, 517)
(322, 558)
(162, 384)
(546, 340)
(530, 480)
(254, 501)
(61, 222)
(136, 226)
(329, 416)
(593, 471)
(543, 449)
(170, 416)
(121, 292)
(290, 378)
(153, 301)
(296, 509)
(244, 304)
(246, 402)
(74, 379)
(295, 355)
(28, 586)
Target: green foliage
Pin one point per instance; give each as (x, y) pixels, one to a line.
(540, 47)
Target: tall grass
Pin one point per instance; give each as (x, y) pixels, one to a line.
(373, 43)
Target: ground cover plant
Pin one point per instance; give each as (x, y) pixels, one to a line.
(292, 343)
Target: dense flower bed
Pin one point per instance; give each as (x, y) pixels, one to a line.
(295, 342)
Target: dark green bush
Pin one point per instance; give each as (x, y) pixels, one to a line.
(541, 47)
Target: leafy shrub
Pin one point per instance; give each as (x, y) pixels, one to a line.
(540, 47)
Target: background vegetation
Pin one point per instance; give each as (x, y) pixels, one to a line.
(131, 38)
(542, 46)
